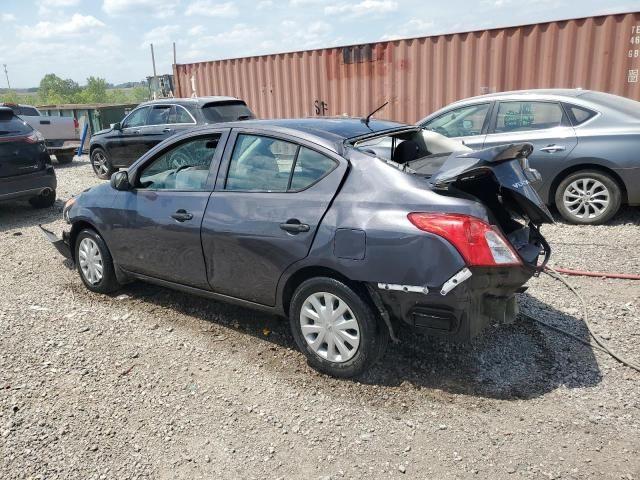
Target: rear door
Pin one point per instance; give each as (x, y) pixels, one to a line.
(19, 154)
(271, 194)
(543, 124)
(467, 124)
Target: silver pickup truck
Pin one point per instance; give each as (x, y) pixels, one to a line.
(61, 134)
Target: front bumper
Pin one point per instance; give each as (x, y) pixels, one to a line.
(60, 244)
(485, 298)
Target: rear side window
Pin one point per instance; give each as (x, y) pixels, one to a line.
(180, 115)
(28, 111)
(226, 111)
(264, 164)
(579, 114)
(461, 122)
(13, 126)
(159, 115)
(524, 116)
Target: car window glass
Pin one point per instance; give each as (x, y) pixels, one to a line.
(184, 167)
(136, 118)
(227, 111)
(581, 115)
(13, 126)
(159, 115)
(179, 115)
(461, 122)
(28, 111)
(524, 116)
(260, 164)
(310, 167)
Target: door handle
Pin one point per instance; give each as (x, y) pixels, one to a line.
(182, 215)
(167, 130)
(293, 225)
(553, 148)
(136, 132)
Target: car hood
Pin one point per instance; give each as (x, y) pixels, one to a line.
(507, 165)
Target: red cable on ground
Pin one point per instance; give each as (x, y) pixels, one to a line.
(584, 273)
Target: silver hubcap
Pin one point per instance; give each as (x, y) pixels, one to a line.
(586, 198)
(100, 163)
(90, 261)
(329, 327)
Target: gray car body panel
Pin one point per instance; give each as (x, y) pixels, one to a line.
(606, 141)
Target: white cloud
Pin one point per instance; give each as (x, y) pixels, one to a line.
(197, 30)
(159, 35)
(316, 34)
(413, 28)
(264, 4)
(47, 7)
(77, 25)
(305, 3)
(210, 8)
(7, 17)
(157, 8)
(364, 7)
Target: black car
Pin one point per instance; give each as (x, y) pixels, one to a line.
(26, 170)
(152, 122)
(299, 218)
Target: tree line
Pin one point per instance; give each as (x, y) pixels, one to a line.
(54, 90)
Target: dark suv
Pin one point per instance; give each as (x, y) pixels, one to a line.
(26, 171)
(152, 122)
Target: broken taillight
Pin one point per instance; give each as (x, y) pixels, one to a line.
(479, 243)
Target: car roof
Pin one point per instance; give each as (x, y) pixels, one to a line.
(196, 101)
(536, 93)
(330, 132)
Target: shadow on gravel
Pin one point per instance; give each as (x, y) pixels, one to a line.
(519, 361)
(16, 215)
(77, 162)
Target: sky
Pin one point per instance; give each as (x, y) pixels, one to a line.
(110, 38)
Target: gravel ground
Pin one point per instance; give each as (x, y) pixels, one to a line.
(150, 383)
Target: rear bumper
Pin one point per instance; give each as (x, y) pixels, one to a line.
(60, 244)
(485, 298)
(28, 185)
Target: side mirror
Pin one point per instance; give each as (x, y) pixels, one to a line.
(116, 126)
(120, 181)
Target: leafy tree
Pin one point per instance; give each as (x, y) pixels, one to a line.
(54, 89)
(95, 91)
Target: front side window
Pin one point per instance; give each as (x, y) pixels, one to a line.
(264, 164)
(184, 167)
(136, 118)
(461, 122)
(524, 116)
(159, 115)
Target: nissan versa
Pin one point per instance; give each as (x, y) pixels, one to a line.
(303, 218)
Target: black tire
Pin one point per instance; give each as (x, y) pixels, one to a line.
(374, 335)
(108, 283)
(64, 159)
(585, 213)
(44, 200)
(101, 164)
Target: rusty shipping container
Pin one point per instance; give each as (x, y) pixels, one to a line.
(420, 75)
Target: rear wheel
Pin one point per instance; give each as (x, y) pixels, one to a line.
(64, 159)
(94, 262)
(588, 197)
(336, 328)
(101, 164)
(45, 200)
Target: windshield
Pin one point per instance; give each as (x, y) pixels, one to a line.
(227, 111)
(14, 126)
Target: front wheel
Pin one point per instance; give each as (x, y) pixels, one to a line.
(101, 164)
(94, 262)
(336, 328)
(588, 197)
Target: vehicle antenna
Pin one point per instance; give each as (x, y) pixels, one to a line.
(368, 117)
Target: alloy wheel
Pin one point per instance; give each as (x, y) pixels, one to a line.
(100, 165)
(329, 327)
(586, 198)
(90, 260)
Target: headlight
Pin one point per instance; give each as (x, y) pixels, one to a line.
(67, 206)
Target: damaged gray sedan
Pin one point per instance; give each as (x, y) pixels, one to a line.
(349, 227)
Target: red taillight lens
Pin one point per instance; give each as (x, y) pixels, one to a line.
(76, 124)
(478, 242)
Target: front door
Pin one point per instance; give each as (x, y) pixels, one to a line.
(158, 233)
(270, 197)
(127, 144)
(545, 126)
